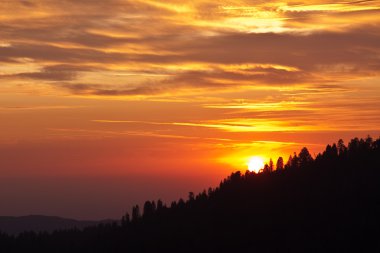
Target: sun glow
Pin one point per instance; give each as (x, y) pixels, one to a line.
(255, 164)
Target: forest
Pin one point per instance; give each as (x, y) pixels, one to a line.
(326, 203)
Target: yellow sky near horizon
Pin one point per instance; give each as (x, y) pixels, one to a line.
(180, 84)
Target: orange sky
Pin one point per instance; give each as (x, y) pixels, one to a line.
(127, 95)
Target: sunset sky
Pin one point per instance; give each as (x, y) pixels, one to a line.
(105, 104)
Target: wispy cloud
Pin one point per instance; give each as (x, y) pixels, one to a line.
(39, 107)
(215, 45)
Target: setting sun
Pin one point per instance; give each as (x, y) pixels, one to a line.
(255, 164)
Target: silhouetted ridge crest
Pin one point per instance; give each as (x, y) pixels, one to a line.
(327, 203)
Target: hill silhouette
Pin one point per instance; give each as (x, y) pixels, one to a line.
(330, 203)
(40, 223)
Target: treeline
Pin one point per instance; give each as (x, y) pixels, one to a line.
(327, 203)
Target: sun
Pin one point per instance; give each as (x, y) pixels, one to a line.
(255, 164)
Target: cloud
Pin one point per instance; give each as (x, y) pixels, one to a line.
(61, 72)
(48, 75)
(83, 46)
(48, 107)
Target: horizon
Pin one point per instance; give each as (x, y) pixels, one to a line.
(119, 182)
(104, 105)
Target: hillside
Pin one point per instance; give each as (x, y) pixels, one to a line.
(330, 203)
(39, 223)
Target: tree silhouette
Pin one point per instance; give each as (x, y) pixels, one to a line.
(289, 162)
(125, 220)
(266, 168)
(342, 149)
(280, 163)
(271, 166)
(136, 213)
(305, 159)
(160, 205)
(149, 208)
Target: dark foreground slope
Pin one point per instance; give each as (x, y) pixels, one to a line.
(327, 204)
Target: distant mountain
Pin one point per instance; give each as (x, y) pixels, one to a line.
(38, 223)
